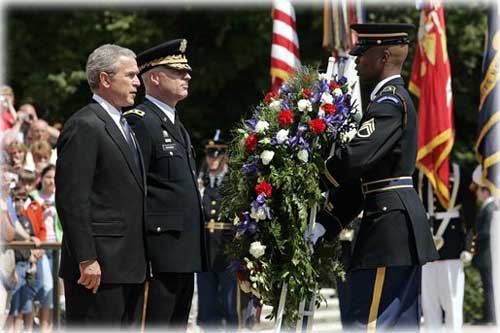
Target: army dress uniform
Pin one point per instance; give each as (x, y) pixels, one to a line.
(174, 223)
(217, 288)
(394, 240)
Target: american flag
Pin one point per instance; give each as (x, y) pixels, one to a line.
(285, 58)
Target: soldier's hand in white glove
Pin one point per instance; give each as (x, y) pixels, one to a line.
(466, 257)
(319, 231)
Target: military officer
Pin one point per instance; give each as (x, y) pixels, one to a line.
(174, 222)
(394, 239)
(217, 288)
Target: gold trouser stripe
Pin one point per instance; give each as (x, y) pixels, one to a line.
(377, 294)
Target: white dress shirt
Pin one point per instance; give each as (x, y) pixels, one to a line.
(165, 108)
(113, 112)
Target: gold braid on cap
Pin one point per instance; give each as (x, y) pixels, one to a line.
(178, 61)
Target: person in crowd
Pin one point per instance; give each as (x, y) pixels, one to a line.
(481, 248)
(41, 153)
(7, 110)
(174, 223)
(443, 280)
(217, 288)
(28, 128)
(100, 199)
(28, 264)
(17, 152)
(394, 238)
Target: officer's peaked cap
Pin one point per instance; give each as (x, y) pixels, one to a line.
(170, 54)
(375, 34)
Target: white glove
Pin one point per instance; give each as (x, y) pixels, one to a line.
(466, 257)
(319, 231)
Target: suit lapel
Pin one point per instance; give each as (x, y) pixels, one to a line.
(117, 136)
(166, 123)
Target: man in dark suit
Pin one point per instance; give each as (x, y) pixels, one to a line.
(174, 224)
(481, 248)
(100, 199)
(394, 240)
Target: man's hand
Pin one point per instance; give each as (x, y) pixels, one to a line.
(90, 275)
(36, 240)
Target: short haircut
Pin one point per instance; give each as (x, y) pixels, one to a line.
(104, 59)
(26, 176)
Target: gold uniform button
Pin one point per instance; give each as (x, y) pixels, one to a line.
(212, 212)
(158, 229)
(384, 208)
(213, 202)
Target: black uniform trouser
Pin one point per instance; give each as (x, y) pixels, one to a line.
(489, 301)
(384, 299)
(169, 300)
(113, 306)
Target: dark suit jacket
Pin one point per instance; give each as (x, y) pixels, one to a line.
(100, 199)
(174, 223)
(394, 229)
(482, 256)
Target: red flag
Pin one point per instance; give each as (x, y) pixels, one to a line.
(285, 48)
(431, 82)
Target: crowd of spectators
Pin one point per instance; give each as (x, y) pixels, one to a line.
(28, 213)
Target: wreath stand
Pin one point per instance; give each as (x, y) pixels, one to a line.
(307, 307)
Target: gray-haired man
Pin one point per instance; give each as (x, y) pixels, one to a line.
(100, 199)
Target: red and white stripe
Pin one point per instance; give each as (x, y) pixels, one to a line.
(285, 48)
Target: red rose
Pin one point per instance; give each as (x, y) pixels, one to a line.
(329, 108)
(306, 92)
(334, 85)
(269, 96)
(264, 187)
(285, 118)
(251, 142)
(317, 125)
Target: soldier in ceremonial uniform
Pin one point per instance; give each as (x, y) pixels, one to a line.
(175, 235)
(443, 280)
(375, 169)
(217, 306)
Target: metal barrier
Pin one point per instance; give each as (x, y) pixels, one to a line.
(23, 245)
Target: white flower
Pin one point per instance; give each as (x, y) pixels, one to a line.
(259, 214)
(326, 98)
(321, 113)
(265, 141)
(266, 156)
(275, 106)
(303, 155)
(337, 92)
(304, 105)
(282, 136)
(257, 250)
(261, 126)
(323, 76)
